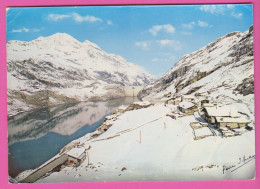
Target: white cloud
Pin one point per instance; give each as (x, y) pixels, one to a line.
(142, 44)
(16, 31)
(202, 24)
(213, 9)
(109, 22)
(172, 44)
(25, 29)
(37, 30)
(20, 30)
(168, 28)
(186, 33)
(87, 18)
(189, 25)
(236, 15)
(176, 45)
(164, 59)
(165, 42)
(75, 16)
(57, 17)
(230, 6)
(221, 9)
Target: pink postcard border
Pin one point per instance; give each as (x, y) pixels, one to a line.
(252, 184)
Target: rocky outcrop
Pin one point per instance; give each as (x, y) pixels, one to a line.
(246, 87)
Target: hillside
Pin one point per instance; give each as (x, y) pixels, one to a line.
(223, 70)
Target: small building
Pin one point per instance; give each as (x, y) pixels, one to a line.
(200, 102)
(167, 95)
(177, 101)
(170, 101)
(174, 101)
(188, 107)
(207, 105)
(76, 156)
(210, 113)
(120, 109)
(188, 98)
(232, 122)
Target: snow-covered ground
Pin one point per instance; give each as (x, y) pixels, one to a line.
(147, 145)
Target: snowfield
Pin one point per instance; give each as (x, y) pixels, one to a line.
(147, 145)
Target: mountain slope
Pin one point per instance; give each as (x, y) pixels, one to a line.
(59, 69)
(224, 70)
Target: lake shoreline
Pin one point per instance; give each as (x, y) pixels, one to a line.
(99, 109)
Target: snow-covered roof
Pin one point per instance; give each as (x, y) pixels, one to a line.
(23, 175)
(186, 105)
(200, 98)
(122, 107)
(144, 103)
(178, 98)
(208, 105)
(241, 119)
(188, 96)
(110, 117)
(222, 111)
(76, 152)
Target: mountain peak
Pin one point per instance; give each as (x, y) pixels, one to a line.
(58, 37)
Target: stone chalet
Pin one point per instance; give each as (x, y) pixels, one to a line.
(231, 122)
(76, 156)
(188, 107)
(200, 101)
(188, 98)
(224, 117)
(174, 101)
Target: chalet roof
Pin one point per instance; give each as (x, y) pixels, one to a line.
(122, 107)
(241, 119)
(76, 152)
(142, 103)
(174, 98)
(208, 105)
(188, 96)
(178, 98)
(186, 105)
(223, 111)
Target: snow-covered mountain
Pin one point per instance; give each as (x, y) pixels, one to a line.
(60, 69)
(223, 70)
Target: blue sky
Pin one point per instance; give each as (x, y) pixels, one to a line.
(154, 37)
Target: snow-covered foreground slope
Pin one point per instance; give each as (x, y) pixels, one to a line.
(223, 70)
(147, 145)
(60, 69)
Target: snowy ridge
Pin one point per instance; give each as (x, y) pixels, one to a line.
(223, 70)
(60, 69)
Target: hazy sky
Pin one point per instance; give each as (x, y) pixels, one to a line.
(154, 37)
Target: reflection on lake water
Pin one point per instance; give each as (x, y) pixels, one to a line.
(34, 137)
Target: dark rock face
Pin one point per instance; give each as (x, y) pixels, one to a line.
(246, 87)
(178, 73)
